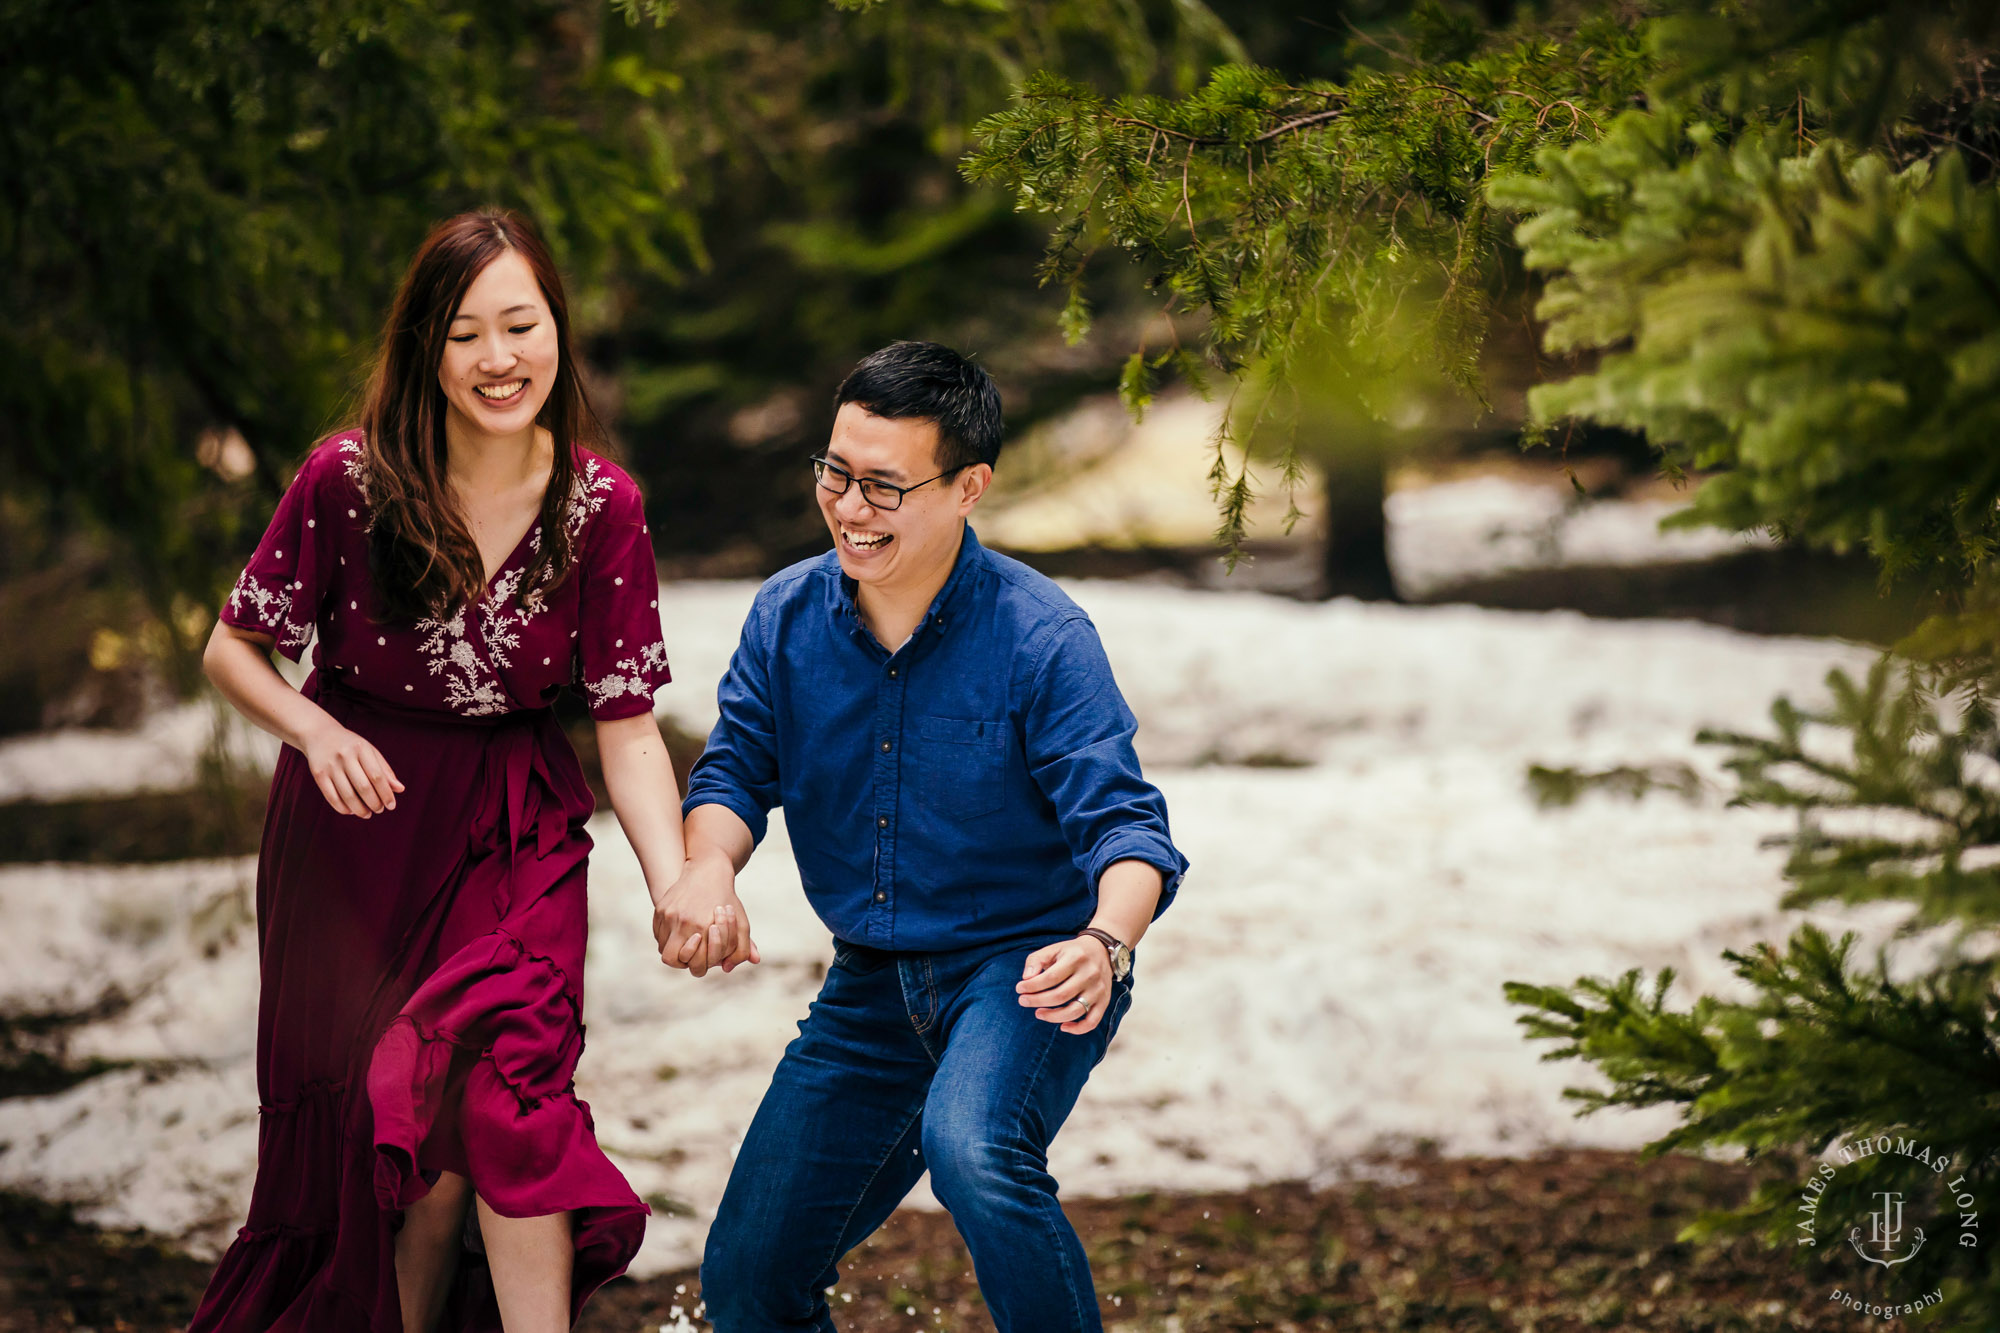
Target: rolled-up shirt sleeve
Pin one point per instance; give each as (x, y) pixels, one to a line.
(738, 768)
(1078, 739)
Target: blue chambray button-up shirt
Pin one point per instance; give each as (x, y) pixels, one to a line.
(968, 788)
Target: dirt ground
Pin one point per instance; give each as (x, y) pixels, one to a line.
(1567, 1241)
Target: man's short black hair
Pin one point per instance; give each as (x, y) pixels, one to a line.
(931, 382)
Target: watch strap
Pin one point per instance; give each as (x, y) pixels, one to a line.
(1112, 944)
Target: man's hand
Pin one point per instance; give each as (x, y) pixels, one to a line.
(700, 923)
(1057, 976)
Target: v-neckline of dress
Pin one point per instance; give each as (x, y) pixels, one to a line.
(507, 561)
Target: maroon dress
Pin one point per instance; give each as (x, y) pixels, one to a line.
(422, 970)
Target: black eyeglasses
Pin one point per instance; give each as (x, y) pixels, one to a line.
(881, 494)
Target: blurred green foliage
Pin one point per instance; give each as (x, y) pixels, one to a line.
(1819, 328)
(204, 208)
(1305, 218)
(1554, 788)
(1785, 270)
(834, 220)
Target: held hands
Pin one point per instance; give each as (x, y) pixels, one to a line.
(351, 773)
(1058, 975)
(699, 923)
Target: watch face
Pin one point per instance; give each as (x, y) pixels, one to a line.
(1121, 962)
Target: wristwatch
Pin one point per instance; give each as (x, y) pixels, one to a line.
(1121, 952)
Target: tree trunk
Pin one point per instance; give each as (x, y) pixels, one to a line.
(1357, 529)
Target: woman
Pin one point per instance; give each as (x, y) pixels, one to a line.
(420, 888)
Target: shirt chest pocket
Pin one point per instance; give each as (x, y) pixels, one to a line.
(958, 764)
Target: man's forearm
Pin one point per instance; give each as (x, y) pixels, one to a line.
(715, 832)
(1127, 893)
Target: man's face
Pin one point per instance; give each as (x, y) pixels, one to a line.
(890, 548)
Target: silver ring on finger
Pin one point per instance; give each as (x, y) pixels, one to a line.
(1085, 1003)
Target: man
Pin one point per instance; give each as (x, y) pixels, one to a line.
(956, 767)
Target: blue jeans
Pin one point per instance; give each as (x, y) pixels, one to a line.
(908, 1062)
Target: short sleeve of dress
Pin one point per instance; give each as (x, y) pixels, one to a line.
(621, 657)
(279, 591)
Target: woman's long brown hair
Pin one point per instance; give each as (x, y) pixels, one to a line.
(421, 554)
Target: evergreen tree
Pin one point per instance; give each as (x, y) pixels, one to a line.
(1788, 269)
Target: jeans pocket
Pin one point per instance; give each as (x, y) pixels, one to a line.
(1121, 1000)
(959, 764)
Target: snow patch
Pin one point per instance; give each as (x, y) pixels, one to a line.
(1328, 983)
(1476, 527)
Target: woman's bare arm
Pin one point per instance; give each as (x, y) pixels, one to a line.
(350, 771)
(640, 777)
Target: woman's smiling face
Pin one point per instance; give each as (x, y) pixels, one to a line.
(501, 352)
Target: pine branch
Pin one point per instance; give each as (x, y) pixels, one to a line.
(1330, 216)
(1825, 1052)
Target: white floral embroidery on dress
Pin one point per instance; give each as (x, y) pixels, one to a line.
(356, 469)
(471, 686)
(499, 623)
(271, 607)
(296, 635)
(472, 683)
(630, 676)
(584, 499)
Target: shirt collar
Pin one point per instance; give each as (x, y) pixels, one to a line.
(971, 557)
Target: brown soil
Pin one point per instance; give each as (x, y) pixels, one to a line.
(56, 1273)
(1567, 1241)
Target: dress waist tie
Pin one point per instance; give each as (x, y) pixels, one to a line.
(529, 774)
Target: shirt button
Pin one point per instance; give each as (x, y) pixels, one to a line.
(885, 747)
(892, 671)
(882, 821)
(881, 897)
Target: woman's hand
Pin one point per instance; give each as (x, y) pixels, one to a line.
(1058, 976)
(351, 772)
